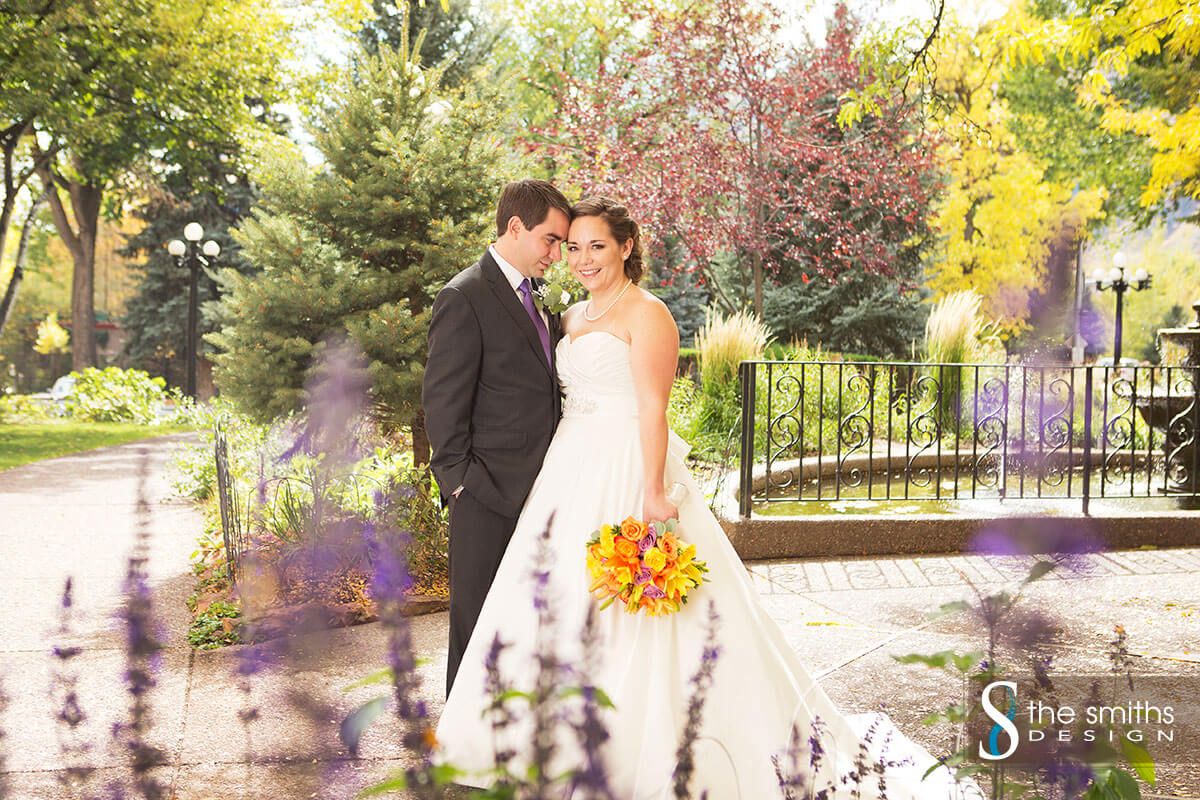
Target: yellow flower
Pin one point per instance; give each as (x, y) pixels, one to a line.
(655, 559)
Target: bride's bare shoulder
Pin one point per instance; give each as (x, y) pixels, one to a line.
(650, 314)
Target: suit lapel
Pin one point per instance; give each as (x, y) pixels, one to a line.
(554, 325)
(508, 300)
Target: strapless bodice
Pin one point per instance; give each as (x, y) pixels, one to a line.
(596, 376)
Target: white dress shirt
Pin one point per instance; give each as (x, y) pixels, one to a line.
(514, 277)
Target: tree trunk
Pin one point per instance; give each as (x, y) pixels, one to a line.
(14, 283)
(13, 178)
(81, 244)
(756, 265)
(420, 440)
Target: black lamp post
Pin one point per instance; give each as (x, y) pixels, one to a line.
(1120, 282)
(195, 256)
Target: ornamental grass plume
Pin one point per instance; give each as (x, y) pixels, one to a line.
(953, 329)
(725, 342)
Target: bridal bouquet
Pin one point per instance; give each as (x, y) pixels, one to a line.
(647, 567)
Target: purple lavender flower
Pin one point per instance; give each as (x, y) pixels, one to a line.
(700, 683)
(337, 400)
(1067, 540)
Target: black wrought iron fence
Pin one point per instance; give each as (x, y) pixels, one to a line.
(232, 525)
(886, 431)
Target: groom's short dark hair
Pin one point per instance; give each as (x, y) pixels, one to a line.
(530, 200)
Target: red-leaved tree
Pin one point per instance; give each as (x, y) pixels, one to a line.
(721, 137)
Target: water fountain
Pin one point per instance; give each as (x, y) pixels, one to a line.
(1177, 414)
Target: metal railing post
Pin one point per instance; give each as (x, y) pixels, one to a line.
(746, 373)
(1087, 439)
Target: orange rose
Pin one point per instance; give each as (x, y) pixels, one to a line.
(668, 544)
(633, 529)
(626, 548)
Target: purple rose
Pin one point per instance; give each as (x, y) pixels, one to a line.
(643, 575)
(646, 542)
(653, 592)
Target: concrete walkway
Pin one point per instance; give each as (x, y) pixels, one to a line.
(77, 517)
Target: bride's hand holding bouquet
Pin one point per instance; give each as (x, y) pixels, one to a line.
(644, 565)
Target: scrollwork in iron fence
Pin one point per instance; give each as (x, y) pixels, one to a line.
(1057, 429)
(991, 433)
(1183, 452)
(1118, 426)
(785, 430)
(924, 430)
(856, 431)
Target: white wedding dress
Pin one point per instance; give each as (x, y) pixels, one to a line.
(593, 474)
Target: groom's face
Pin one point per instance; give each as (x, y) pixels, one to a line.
(540, 246)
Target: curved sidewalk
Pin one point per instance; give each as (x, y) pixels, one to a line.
(78, 516)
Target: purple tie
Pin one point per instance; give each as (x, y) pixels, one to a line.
(531, 309)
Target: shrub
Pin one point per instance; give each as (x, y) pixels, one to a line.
(952, 330)
(20, 409)
(113, 394)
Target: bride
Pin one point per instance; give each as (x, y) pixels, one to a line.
(613, 456)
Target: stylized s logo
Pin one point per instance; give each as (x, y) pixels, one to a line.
(1003, 720)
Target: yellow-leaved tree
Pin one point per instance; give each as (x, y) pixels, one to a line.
(1137, 62)
(1000, 215)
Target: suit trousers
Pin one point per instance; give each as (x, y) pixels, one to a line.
(478, 538)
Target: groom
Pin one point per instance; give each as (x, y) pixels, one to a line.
(490, 394)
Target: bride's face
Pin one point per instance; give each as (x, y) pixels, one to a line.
(596, 259)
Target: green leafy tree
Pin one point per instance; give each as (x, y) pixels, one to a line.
(1135, 63)
(358, 248)
(547, 45)
(89, 90)
(1070, 141)
(44, 288)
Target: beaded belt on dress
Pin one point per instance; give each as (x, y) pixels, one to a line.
(599, 405)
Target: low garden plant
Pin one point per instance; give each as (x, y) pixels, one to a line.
(301, 500)
(1020, 639)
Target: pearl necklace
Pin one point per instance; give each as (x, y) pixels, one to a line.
(610, 305)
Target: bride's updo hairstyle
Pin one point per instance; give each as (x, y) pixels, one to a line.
(622, 226)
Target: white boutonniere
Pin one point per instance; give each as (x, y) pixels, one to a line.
(551, 297)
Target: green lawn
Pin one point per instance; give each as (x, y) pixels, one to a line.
(21, 444)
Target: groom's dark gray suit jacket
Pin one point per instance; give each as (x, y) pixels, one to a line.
(491, 399)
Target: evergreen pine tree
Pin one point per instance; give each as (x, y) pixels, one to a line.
(403, 201)
(852, 313)
(156, 316)
(442, 33)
